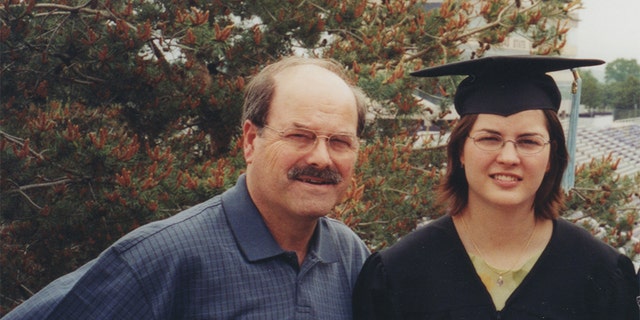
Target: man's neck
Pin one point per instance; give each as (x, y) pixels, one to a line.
(292, 236)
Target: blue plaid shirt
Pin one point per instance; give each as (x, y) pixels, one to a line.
(216, 260)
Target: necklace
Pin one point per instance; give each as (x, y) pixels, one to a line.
(500, 280)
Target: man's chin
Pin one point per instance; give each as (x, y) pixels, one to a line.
(315, 207)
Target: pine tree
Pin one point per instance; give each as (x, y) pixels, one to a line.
(116, 113)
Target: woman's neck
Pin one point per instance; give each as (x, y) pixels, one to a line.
(499, 223)
(503, 239)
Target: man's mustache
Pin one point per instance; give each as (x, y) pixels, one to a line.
(328, 175)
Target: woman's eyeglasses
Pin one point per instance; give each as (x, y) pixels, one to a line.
(525, 145)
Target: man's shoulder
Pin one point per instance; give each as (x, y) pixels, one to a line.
(183, 226)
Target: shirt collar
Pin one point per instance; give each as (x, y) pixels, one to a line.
(324, 242)
(255, 239)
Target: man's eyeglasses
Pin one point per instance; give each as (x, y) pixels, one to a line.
(304, 139)
(525, 145)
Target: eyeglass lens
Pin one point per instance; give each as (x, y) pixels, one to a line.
(305, 139)
(493, 142)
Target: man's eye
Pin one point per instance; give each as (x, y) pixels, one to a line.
(342, 141)
(300, 135)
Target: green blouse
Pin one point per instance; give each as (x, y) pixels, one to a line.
(501, 283)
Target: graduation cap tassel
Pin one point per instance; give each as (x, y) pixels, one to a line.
(568, 180)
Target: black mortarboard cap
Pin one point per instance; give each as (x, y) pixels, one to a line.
(505, 85)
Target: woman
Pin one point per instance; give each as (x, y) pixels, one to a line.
(501, 252)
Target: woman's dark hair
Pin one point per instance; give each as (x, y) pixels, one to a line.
(453, 192)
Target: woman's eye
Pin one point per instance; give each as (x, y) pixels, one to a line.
(530, 141)
(490, 138)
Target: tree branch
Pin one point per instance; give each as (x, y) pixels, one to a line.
(20, 142)
(40, 185)
(78, 9)
(26, 196)
(471, 32)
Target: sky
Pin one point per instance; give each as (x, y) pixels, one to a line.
(608, 30)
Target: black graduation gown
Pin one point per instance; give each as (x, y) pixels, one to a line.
(428, 275)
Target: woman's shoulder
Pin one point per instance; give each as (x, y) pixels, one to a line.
(571, 240)
(611, 273)
(426, 240)
(571, 234)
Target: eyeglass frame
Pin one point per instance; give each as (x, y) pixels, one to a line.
(515, 142)
(309, 146)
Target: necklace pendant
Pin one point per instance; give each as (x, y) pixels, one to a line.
(500, 281)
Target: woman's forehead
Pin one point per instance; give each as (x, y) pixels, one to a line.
(529, 121)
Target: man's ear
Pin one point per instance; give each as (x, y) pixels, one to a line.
(249, 134)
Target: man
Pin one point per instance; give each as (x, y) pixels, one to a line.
(263, 249)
